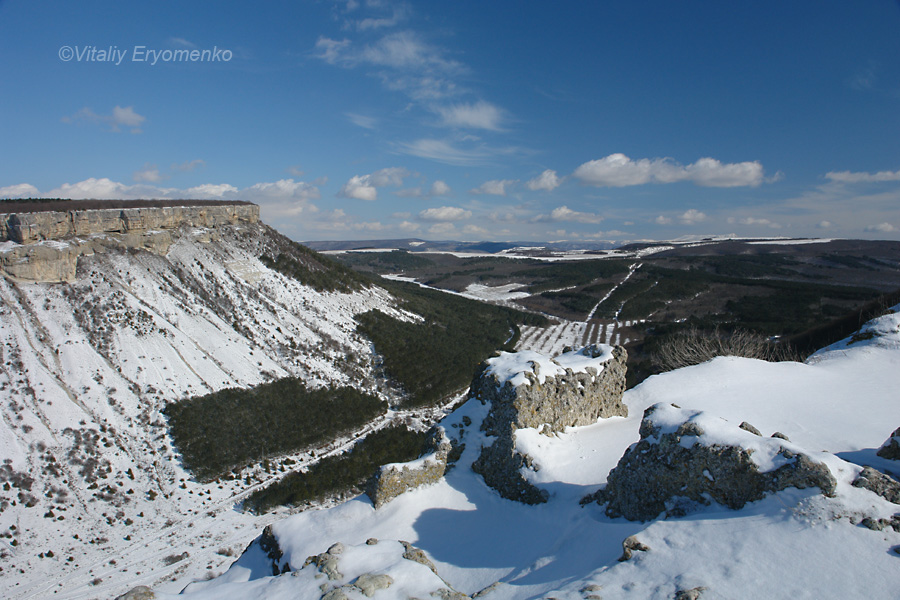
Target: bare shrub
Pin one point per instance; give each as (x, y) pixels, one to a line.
(695, 346)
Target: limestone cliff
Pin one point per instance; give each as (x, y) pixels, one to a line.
(28, 227)
(45, 246)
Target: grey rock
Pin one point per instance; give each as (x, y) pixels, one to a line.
(569, 400)
(414, 554)
(781, 436)
(891, 448)
(141, 592)
(748, 427)
(448, 594)
(368, 583)
(879, 483)
(372, 541)
(630, 545)
(658, 474)
(390, 481)
(691, 594)
(335, 594)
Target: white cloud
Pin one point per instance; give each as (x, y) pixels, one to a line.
(439, 188)
(564, 213)
(332, 51)
(495, 187)
(359, 187)
(881, 228)
(617, 170)
(548, 180)
(364, 187)
(755, 221)
(362, 120)
(850, 177)
(189, 165)
(475, 230)
(101, 189)
(442, 229)
(211, 191)
(281, 189)
(444, 152)
(20, 190)
(149, 174)
(406, 50)
(408, 226)
(692, 217)
(120, 117)
(661, 220)
(481, 115)
(445, 213)
(127, 117)
(824, 225)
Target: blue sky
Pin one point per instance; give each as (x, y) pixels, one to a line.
(500, 120)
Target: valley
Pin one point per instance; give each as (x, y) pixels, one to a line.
(99, 492)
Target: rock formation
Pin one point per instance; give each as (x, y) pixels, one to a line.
(891, 448)
(45, 246)
(529, 390)
(686, 458)
(394, 479)
(29, 227)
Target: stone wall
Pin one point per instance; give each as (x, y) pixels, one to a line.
(26, 228)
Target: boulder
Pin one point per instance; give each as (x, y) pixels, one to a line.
(685, 458)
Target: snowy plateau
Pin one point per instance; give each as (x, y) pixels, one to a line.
(95, 502)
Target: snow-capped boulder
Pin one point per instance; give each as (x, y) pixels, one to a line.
(531, 390)
(891, 448)
(687, 457)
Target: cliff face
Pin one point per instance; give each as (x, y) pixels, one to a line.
(26, 228)
(45, 246)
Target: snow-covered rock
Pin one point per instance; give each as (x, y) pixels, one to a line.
(687, 458)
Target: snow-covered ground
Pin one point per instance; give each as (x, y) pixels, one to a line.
(839, 406)
(92, 495)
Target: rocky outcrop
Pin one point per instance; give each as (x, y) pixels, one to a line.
(685, 458)
(45, 246)
(891, 448)
(394, 479)
(878, 483)
(529, 390)
(29, 227)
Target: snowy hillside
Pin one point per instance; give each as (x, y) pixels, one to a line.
(838, 408)
(91, 492)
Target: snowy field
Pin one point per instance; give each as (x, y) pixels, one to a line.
(839, 406)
